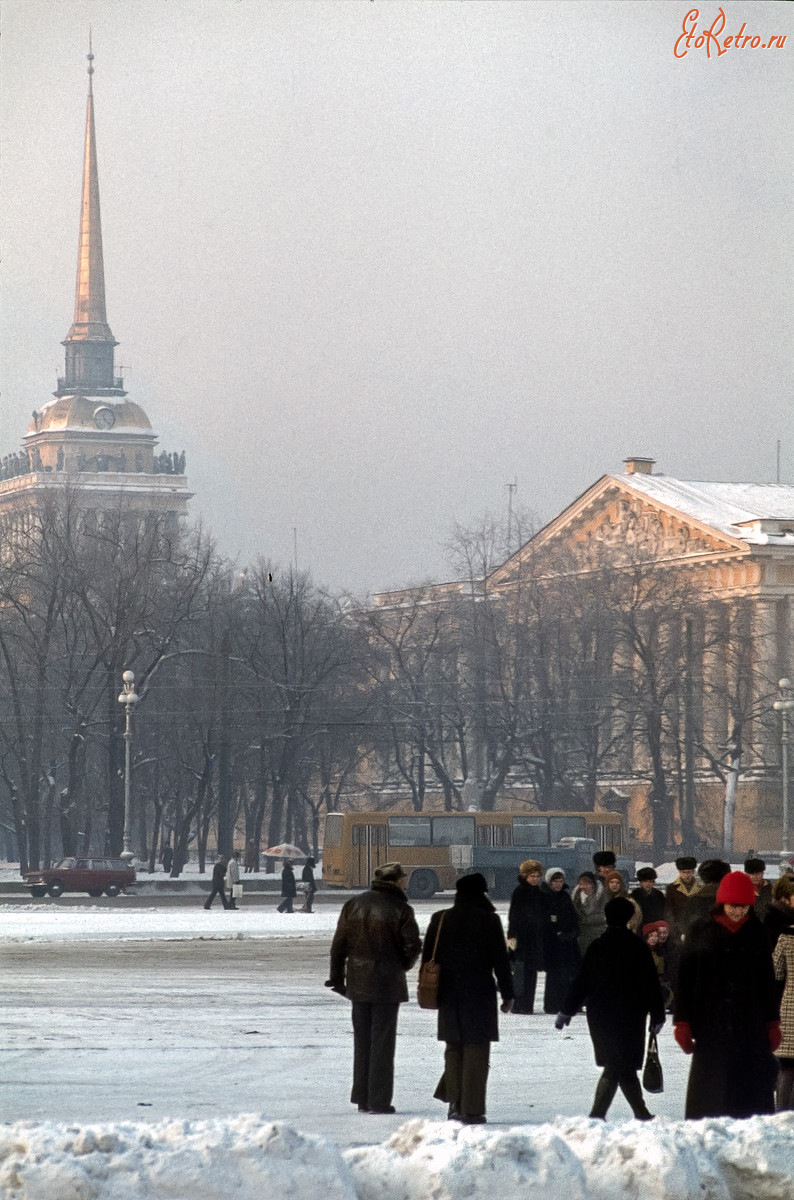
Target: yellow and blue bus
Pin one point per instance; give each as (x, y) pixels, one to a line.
(435, 848)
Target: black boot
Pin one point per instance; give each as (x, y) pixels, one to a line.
(631, 1089)
(604, 1095)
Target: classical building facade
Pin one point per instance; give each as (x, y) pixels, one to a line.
(677, 596)
(90, 436)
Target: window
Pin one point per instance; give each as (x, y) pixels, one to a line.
(530, 831)
(453, 831)
(560, 827)
(409, 831)
(333, 831)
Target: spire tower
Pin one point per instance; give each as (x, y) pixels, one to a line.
(90, 343)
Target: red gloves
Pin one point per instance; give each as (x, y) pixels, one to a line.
(682, 1032)
(774, 1034)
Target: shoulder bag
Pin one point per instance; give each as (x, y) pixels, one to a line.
(429, 975)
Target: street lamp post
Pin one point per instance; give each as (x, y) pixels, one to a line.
(129, 698)
(785, 706)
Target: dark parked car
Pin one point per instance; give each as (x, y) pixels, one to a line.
(92, 875)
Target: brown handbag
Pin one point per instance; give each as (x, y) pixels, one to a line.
(429, 976)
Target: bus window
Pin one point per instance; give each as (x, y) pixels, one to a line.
(530, 831)
(356, 834)
(453, 831)
(560, 827)
(502, 835)
(484, 833)
(334, 823)
(409, 831)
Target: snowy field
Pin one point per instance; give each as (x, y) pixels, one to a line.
(168, 1053)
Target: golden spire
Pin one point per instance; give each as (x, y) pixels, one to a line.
(90, 342)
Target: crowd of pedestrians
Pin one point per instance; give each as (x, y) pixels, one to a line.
(715, 949)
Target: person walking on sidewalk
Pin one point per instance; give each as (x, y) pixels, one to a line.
(620, 987)
(233, 879)
(218, 883)
(288, 889)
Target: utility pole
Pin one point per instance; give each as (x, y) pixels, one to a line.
(511, 488)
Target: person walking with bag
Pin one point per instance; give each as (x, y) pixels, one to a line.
(218, 883)
(233, 879)
(376, 941)
(468, 943)
(619, 985)
(289, 889)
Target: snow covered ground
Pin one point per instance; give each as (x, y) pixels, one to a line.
(216, 1026)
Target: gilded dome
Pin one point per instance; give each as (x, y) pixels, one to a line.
(89, 413)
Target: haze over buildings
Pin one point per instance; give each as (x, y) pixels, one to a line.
(370, 263)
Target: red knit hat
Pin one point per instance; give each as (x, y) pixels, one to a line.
(736, 888)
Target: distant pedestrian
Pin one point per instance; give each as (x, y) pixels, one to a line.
(779, 917)
(589, 897)
(288, 889)
(526, 930)
(561, 949)
(376, 941)
(167, 858)
(676, 898)
(250, 856)
(218, 883)
(473, 959)
(755, 868)
(648, 896)
(615, 886)
(620, 988)
(727, 1012)
(233, 879)
(307, 879)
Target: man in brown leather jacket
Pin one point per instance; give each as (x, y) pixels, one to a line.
(376, 941)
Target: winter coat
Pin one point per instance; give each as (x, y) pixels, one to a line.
(698, 909)
(288, 887)
(232, 872)
(526, 922)
(784, 972)
(619, 985)
(590, 914)
(307, 877)
(561, 948)
(376, 941)
(676, 899)
(779, 918)
(763, 900)
(651, 904)
(471, 951)
(726, 992)
(219, 873)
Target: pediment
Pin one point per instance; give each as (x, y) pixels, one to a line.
(614, 523)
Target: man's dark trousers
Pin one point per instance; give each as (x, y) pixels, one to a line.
(374, 1040)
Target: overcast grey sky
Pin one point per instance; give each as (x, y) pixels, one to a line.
(370, 262)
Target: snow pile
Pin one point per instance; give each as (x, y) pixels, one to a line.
(175, 1160)
(574, 1158)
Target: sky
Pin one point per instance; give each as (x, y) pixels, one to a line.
(369, 263)
(235, 1088)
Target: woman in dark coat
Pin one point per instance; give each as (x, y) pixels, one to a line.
(307, 879)
(727, 1013)
(288, 888)
(526, 931)
(561, 949)
(471, 951)
(619, 985)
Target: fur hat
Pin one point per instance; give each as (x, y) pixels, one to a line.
(686, 863)
(604, 858)
(552, 873)
(736, 888)
(712, 870)
(614, 875)
(587, 875)
(530, 866)
(471, 887)
(618, 911)
(646, 873)
(389, 873)
(654, 927)
(754, 866)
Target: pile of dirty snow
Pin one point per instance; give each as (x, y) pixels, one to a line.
(250, 1159)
